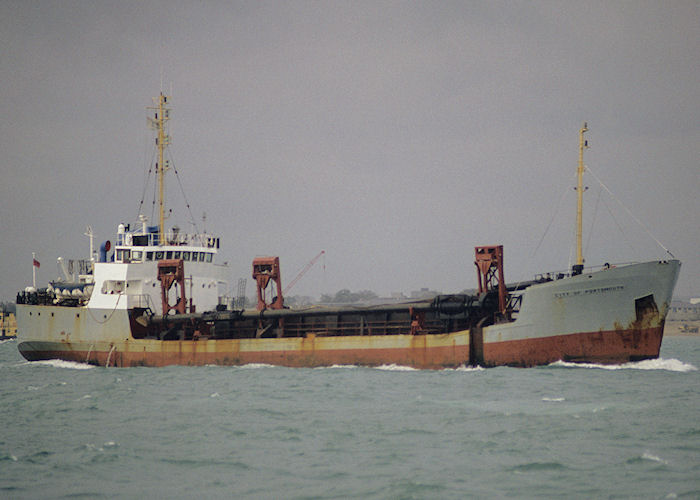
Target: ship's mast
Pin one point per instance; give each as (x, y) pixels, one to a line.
(582, 144)
(159, 121)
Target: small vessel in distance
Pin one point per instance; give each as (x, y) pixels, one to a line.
(8, 325)
(157, 300)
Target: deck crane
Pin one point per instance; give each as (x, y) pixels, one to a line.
(303, 271)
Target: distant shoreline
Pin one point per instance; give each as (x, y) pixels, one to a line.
(673, 328)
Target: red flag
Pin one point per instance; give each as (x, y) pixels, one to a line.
(36, 263)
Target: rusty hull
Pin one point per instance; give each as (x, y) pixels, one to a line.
(417, 351)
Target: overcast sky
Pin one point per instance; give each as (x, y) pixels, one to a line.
(396, 136)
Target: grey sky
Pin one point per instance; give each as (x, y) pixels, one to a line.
(395, 136)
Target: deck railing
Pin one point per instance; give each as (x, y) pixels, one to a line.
(171, 238)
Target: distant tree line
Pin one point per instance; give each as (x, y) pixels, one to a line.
(345, 296)
(7, 307)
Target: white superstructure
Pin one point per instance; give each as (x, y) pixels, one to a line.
(131, 279)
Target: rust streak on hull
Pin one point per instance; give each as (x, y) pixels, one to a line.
(420, 351)
(610, 347)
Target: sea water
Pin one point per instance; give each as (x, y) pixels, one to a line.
(582, 431)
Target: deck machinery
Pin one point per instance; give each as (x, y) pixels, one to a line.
(271, 319)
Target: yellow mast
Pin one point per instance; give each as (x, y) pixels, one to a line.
(162, 115)
(582, 144)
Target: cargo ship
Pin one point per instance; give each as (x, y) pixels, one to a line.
(158, 298)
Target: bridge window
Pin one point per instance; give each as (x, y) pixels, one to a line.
(123, 255)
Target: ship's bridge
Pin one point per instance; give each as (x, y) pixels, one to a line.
(145, 245)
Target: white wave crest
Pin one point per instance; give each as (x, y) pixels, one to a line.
(7, 340)
(108, 444)
(464, 368)
(396, 368)
(251, 366)
(59, 363)
(553, 400)
(672, 365)
(648, 456)
(335, 366)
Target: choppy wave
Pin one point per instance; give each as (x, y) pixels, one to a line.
(59, 363)
(673, 365)
(538, 467)
(647, 457)
(252, 366)
(350, 429)
(106, 445)
(6, 341)
(8, 456)
(464, 368)
(396, 368)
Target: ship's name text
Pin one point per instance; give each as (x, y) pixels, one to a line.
(589, 291)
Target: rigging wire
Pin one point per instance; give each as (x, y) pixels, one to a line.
(554, 214)
(146, 180)
(147, 177)
(182, 190)
(551, 220)
(619, 227)
(595, 214)
(630, 213)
